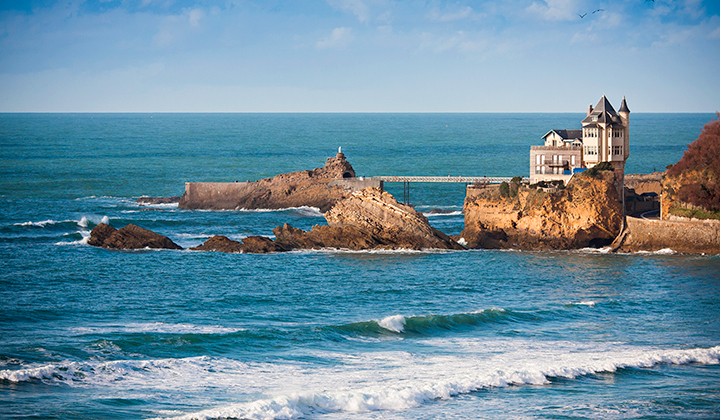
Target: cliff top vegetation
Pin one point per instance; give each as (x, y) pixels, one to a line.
(698, 171)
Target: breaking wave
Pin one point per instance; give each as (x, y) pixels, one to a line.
(446, 379)
(421, 325)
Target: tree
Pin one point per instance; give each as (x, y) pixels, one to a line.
(703, 159)
(504, 189)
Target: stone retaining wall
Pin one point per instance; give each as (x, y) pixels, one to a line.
(692, 236)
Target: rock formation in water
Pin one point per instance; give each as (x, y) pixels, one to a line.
(250, 244)
(586, 213)
(313, 188)
(157, 200)
(129, 237)
(368, 219)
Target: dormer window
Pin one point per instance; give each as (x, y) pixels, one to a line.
(595, 118)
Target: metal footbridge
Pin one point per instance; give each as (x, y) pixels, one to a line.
(457, 179)
(406, 180)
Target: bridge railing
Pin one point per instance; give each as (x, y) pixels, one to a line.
(456, 179)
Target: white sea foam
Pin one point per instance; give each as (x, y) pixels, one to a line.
(303, 210)
(584, 303)
(394, 323)
(161, 205)
(366, 381)
(604, 250)
(452, 213)
(42, 223)
(156, 327)
(408, 381)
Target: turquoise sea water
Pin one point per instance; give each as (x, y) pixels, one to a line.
(88, 333)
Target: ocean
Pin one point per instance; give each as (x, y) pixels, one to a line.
(89, 333)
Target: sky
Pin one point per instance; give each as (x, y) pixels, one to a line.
(358, 55)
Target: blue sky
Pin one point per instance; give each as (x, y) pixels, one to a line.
(358, 55)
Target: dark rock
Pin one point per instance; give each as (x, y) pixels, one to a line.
(251, 245)
(100, 233)
(129, 237)
(157, 200)
(219, 243)
(261, 245)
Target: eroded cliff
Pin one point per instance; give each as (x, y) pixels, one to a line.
(368, 219)
(587, 213)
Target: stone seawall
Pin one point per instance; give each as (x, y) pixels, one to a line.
(213, 195)
(234, 195)
(682, 236)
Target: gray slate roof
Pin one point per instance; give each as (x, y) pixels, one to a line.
(566, 134)
(603, 113)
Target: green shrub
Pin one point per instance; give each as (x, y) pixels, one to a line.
(504, 189)
(602, 166)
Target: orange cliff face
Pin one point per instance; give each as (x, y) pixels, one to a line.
(587, 213)
(368, 219)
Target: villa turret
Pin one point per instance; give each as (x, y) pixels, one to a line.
(604, 137)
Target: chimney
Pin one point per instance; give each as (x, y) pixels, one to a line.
(590, 109)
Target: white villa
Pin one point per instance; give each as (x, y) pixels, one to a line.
(603, 137)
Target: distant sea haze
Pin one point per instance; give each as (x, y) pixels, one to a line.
(90, 333)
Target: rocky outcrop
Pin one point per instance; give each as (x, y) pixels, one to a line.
(129, 237)
(157, 200)
(312, 188)
(369, 219)
(250, 245)
(587, 213)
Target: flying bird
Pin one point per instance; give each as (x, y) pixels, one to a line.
(582, 16)
(598, 10)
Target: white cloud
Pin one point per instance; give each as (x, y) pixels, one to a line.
(554, 10)
(464, 13)
(339, 39)
(461, 41)
(673, 37)
(356, 7)
(194, 16)
(715, 34)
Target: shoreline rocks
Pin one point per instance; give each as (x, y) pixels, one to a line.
(157, 200)
(368, 219)
(129, 237)
(249, 245)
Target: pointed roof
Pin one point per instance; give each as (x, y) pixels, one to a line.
(623, 106)
(602, 113)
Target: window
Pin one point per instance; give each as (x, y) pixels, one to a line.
(617, 150)
(537, 161)
(573, 160)
(591, 150)
(537, 169)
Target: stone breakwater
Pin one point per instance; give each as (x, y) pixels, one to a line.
(691, 236)
(320, 187)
